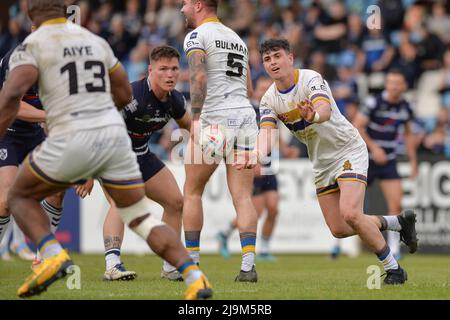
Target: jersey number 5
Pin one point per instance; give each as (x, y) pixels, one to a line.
(232, 63)
(71, 68)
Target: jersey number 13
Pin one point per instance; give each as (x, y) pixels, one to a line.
(99, 86)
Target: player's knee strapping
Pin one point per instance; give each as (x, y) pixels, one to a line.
(140, 211)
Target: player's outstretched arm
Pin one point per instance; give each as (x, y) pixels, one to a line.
(20, 79)
(29, 113)
(120, 87)
(198, 80)
(263, 148)
(316, 112)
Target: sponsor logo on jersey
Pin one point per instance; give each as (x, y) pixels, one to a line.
(3, 154)
(193, 35)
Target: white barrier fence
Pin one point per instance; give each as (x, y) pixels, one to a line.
(300, 225)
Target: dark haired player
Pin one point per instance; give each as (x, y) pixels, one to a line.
(155, 103)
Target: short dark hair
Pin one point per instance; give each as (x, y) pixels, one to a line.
(46, 5)
(398, 72)
(161, 52)
(211, 3)
(274, 45)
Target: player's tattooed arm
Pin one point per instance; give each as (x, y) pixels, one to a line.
(198, 81)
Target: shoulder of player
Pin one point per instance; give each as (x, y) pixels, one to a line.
(193, 35)
(269, 97)
(138, 87)
(4, 61)
(306, 75)
(177, 96)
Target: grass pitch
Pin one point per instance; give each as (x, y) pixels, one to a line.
(292, 277)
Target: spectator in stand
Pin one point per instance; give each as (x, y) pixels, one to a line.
(377, 50)
(430, 48)
(268, 12)
(406, 60)
(331, 31)
(445, 82)
(439, 22)
(319, 64)
(133, 18)
(243, 16)
(119, 39)
(355, 29)
(436, 141)
(137, 64)
(170, 18)
(392, 12)
(345, 89)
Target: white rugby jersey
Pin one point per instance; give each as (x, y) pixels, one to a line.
(74, 83)
(227, 64)
(327, 141)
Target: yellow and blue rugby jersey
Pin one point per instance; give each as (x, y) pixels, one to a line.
(325, 141)
(227, 64)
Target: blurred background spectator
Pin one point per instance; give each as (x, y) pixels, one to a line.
(329, 36)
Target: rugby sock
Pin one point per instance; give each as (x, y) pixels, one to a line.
(190, 272)
(18, 239)
(49, 246)
(192, 241)
(265, 245)
(4, 223)
(167, 267)
(54, 214)
(248, 244)
(394, 242)
(4, 248)
(112, 258)
(387, 259)
(229, 230)
(390, 223)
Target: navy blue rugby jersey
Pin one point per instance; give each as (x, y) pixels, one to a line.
(146, 114)
(385, 121)
(19, 127)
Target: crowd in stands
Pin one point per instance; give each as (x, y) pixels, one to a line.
(339, 39)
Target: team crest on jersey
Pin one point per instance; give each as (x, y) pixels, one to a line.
(347, 166)
(3, 154)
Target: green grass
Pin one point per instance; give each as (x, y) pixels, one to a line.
(291, 277)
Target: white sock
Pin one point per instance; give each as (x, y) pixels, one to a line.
(112, 258)
(167, 267)
(49, 247)
(4, 223)
(195, 256)
(265, 245)
(394, 242)
(388, 260)
(392, 223)
(18, 236)
(248, 261)
(54, 214)
(228, 231)
(4, 248)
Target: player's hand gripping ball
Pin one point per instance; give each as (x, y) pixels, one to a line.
(213, 142)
